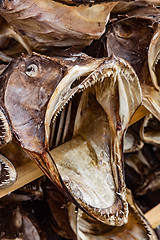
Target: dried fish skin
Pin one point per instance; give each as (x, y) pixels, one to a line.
(139, 26)
(128, 36)
(144, 57)
(126, 7)
(15, 153)
(51, 23)
(122, 36)
(33, 82)
(11, 157)
(6, 34)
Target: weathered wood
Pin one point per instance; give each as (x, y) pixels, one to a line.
(140, 113)
(153, 216)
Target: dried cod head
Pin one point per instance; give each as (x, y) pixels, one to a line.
(135, 37)
(47, 23)
(71, 114)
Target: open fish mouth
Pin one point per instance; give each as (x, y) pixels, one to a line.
(85, 122)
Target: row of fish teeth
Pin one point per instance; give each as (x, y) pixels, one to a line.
(156, 61)
(93, 79)
(6, 167)
(9, 170)
(5, 182)
(2, 161)
(61, 109)
(2, 117)
(5, 135)
(110, 214)
(96, 77)
(82, 87)
(115, 219)
(4, 126)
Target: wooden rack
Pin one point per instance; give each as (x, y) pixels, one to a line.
(30, 171)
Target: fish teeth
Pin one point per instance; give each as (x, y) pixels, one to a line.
(92, 79)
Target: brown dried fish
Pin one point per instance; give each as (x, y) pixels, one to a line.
(82, 97)
(71, 112)
(135, 37)
(47, 23)
(6, 34)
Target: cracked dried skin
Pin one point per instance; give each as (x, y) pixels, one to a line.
(47, 23)
(31, 82)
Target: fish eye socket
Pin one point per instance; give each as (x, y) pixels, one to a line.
(32, 70)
